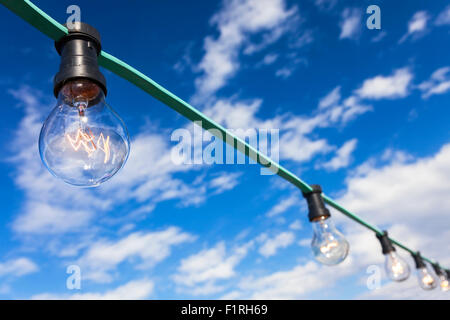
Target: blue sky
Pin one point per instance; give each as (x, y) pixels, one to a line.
(362, 112)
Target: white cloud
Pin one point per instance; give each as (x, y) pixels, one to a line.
(17, 267)
(296, 283)
(236, 22)
(284, 72)
(200, 272)
(43, 218)
(350, 23)
(331, 98)
(103, 256)
(325, 5)
(342, 157)
(271, 245)
(417, 25)
(443, 17)
(296, 225)
(224, 182)
(438, 83)
(393, 86)
(133, 290)
(283, 205)
(270, 58)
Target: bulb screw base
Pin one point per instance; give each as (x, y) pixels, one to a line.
(386, 244)
(79, 50)
(316, 205)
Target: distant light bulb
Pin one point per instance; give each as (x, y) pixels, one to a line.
(396, 268)
(444, 284)
(83, 141)
(328, 244)
(426, 280)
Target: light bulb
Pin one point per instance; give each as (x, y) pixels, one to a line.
(396, 268)
(83, 141)
(328, 244)
(426, 280)
(443, 282)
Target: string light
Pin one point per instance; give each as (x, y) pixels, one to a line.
(328, 244)
(426, 279)
(396, 268)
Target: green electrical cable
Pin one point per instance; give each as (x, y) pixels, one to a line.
(29, 12)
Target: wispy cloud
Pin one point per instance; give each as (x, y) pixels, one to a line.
(236, 22)
(416, 26)
(444, 17)
(271, 245)
(350, 23)
(103, 256)
(17, 267)
(200, 273)
(282, 206)
(438, 83)
(342, 157)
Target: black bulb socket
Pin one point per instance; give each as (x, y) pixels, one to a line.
(316, 205)
(79, 50)
(420, 264)
(437, 269)
(386, 244)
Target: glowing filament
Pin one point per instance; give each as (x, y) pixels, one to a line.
(86, 140)
(428, 280)
(397, 268)
(444, 285)
(329, 246)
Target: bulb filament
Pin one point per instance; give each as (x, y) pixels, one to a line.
(428, 280)
(87, 141)
(329, 246)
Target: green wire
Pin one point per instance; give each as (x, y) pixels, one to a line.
(53, 29)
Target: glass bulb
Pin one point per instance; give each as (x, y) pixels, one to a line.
(426, 280)
(396, 268)
(328, 244)
(83, 141)
(444, 282)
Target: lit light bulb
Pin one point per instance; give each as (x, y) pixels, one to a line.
(426, 279)
(444, 283)
(396, 268)
(328, 244)
(83, 141)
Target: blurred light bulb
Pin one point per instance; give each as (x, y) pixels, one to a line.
(83, 141)
(328, 244)
(426, 280)
(444, 282)
(396, 268)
